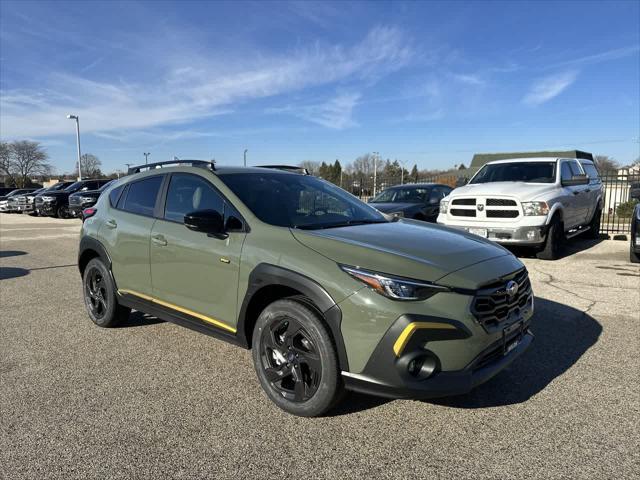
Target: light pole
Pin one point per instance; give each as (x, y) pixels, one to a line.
(75, 117)
(245, 157)
(402, 171)
(146, 157)
(375, 172)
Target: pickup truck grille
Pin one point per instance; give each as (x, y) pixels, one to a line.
(459, 212)
(74, 200)
(493, 305)
(502, 213)
(501, 202)
(38, 201)
(464, 201)
(22, 200)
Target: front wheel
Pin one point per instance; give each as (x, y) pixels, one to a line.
(62, 212)
(633, 256)
(553, 245)
(100, 296)
(295, 359)
(594, 226)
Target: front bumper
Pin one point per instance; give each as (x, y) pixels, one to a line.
(504, 234)
(386, 374)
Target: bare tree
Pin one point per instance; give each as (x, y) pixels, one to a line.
(90, 165)
(311, 166)
(23, 159)
(606, 164)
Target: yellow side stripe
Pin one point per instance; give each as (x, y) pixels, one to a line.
(405, 336)
(204, 318)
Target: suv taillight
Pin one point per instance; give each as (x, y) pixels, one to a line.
(88, 213)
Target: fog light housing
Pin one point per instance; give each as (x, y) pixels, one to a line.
(421, 366)
(531, 235)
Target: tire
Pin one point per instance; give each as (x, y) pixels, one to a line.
(633, 256)
(295, 358)
(62, 212)
(594, 226)
(100, 298)
(554, 243)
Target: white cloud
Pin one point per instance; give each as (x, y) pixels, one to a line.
(549, 87)
(335, 113)
(200, 87)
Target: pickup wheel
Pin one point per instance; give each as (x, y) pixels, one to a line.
(594, 226)
(554, 243)
(295, 358)
(100, 296)
(633, 256)
(62, 212)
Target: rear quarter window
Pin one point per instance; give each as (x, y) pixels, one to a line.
(114, 195)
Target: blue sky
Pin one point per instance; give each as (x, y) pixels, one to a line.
(428, 83)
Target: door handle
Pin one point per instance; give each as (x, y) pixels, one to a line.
(576, 192)
(159, 240)
(111, 223)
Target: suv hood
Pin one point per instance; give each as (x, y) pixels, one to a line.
(407, 248)
(521, 190)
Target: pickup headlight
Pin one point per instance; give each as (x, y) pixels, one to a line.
(48, 198)
(535, 208)
(443, 206)
(397, 214)
(86, 199)
(395, 288)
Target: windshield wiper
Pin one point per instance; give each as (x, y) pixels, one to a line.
(349, 223)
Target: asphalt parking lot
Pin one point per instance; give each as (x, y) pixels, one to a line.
(152, 399)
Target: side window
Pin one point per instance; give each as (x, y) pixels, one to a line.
(575, 168)
(565, 172)
(436, 195)
(141, 196)
(114, 195)
(592, 172)
(188, 193)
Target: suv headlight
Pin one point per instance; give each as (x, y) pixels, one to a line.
(535, 208)
(443, 206)
(48, 198)
(395, 288)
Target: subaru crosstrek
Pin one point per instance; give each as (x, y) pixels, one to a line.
(327, 292)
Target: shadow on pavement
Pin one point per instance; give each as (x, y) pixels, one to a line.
(563, 334)
(139, 319)
(571, 247)
(12, 272)
(11, 253)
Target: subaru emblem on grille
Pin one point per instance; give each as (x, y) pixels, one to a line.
(480, 207)
(511, 288)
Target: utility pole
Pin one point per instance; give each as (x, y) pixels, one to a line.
(402, 170)
(375, 172)
(338, 161)
(245, 157)
(75, 117)
(146, 157)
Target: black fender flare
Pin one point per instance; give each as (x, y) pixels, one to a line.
(89, 243)
(265, 275)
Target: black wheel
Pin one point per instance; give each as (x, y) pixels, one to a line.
(62, 212)
(554, 243)
(594, 226)
(633, 256)
(295, 358)
(100, 296)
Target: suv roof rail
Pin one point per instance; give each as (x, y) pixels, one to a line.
(176, 161)
(288, 168)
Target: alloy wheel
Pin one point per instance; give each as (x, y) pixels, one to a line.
(96, 293)
(290, 360)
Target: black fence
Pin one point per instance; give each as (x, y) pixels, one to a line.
(621, 193)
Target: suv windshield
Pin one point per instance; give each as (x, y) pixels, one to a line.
(299, 201)
(402, 195)
(531, 172)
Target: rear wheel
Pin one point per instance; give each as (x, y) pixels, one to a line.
(594, 226)
(100, 296)
(633, 256)
(554, 243)
(295, 358)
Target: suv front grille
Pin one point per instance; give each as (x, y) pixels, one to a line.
(493, 305)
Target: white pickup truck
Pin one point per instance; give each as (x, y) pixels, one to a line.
(534, 202)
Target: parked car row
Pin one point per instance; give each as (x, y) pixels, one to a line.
(62, 200)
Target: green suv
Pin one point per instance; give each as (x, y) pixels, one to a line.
(328, 293)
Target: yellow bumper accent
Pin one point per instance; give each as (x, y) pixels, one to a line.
(405, 336)
(204, 318)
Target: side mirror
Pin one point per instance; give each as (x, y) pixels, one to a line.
(575, 180)
(206, 221)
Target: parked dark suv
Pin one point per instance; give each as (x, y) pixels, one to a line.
(420, 201)
(56, 203)
(85, 199)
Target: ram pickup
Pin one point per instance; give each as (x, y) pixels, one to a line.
(537, 202)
